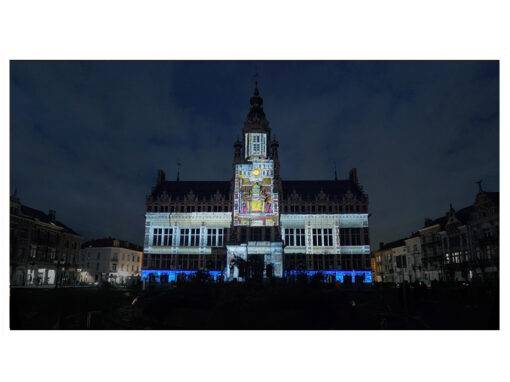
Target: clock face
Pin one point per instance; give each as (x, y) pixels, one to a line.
(256, 172)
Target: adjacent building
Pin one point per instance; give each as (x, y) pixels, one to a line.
(110, 259)
(461, 245)
(286, 226)
(43, 250)
(398, 261)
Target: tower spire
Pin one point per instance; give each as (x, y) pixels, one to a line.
(178, 170)
(336, 178)
(479, 186)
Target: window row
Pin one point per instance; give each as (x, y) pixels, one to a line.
(324, 209)
(354, 236)
(188, 237)
(115, 257)
(187, 208)
(323, 237)
(295, 237)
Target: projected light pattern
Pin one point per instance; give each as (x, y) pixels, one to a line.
(255, 203)
(339, 275)
(172, 275)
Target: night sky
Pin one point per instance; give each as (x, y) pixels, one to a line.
(87, 138)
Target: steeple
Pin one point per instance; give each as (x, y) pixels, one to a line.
(256, 119)
(256, 131)
(479, 186)
(336, 177)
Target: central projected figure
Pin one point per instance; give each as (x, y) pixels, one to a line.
(255, 202)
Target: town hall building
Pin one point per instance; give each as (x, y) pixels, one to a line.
(286, 226)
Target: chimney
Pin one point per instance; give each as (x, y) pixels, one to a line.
(52, 215)
(353, 176)
(161, 176)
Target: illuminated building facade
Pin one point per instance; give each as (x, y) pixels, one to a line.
(43, 251)
(257, 218)
(112, 260)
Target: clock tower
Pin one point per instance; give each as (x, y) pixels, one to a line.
(255, 215)
(255, 185)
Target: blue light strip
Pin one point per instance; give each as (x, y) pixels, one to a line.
(339, 275)
(172, 275)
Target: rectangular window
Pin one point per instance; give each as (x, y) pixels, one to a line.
(317, 237)
(356, 239)
(156, 236)
(220, 237)
(184, 242)
(343, 236)
(300, 237)
(289, 236)
(195, 237)
(328, 237)
(366, 239)
(167, 237)
(114, 267)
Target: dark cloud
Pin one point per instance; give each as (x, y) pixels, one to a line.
(88, 137)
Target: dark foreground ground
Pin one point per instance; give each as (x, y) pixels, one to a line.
(243, 306)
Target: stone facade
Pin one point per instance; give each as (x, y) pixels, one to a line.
(463, 245)
(43, 251)
(109, 259)
(317, 225)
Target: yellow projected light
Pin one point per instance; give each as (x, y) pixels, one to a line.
(256, 172)
(256, 205)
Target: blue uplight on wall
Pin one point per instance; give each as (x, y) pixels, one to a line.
(339, 275)
(172, 275)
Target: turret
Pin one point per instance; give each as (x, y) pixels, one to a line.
(161, 177)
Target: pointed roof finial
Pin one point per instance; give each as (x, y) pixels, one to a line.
(480, 185)
(256, 76)
(256, 114)
(336, 178)
(178, 170)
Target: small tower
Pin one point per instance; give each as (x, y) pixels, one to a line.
(256, 129)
